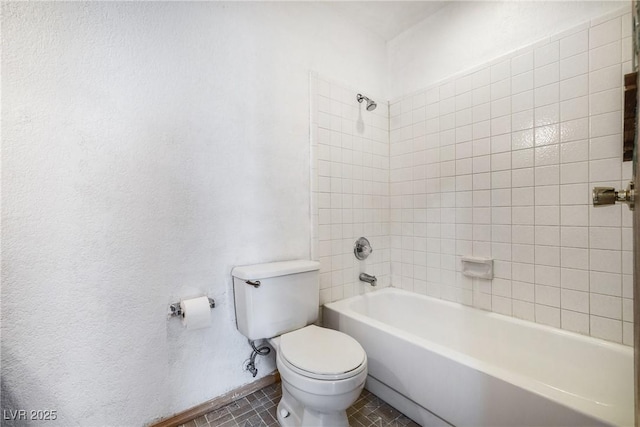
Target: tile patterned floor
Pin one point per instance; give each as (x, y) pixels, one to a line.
(259, 410)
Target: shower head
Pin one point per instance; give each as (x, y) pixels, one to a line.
(371, 105)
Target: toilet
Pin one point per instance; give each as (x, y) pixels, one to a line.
(323, 371)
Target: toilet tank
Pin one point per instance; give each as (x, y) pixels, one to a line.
(286, 299)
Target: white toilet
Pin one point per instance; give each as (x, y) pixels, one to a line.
(323, 371)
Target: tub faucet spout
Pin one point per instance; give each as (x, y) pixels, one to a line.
(369, 279)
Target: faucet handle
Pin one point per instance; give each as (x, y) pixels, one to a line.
(362, 248)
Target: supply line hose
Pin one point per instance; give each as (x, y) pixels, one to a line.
(262, 351)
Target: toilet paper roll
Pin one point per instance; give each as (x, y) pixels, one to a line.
(196, 313)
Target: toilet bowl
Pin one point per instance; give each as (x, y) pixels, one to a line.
(323, 372)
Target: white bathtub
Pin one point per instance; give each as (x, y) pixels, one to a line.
(444, 363)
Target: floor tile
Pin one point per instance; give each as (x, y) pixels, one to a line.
(259, 410)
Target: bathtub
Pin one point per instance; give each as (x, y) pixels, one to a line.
(443, 363)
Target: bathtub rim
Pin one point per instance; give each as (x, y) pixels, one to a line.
(491, 314)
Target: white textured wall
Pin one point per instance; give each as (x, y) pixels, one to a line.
(147, 149)
(466, 34)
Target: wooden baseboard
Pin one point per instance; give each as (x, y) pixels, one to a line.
(218, 402)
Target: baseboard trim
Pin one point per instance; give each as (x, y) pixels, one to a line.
(218, 402)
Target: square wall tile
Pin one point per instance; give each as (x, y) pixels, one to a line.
(574, 44)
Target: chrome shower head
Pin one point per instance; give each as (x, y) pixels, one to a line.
(371, 105)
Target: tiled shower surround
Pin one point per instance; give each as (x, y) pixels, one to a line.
(350, 183)
(498, 162)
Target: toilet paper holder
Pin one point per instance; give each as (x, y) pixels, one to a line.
(175, 310)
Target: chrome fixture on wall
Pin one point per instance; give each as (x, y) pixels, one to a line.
(364, 277)
(603, 196)
(250, 364)
(362, 248)
(175, 309)
(371, 104)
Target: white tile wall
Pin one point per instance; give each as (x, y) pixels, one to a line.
(500, 162)
(350, 187)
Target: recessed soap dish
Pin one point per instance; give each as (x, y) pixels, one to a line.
(479, 267)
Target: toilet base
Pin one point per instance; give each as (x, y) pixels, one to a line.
(292, 413)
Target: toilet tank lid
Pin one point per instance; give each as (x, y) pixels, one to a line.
(274, 269)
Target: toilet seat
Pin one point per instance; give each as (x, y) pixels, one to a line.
(322, 353)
